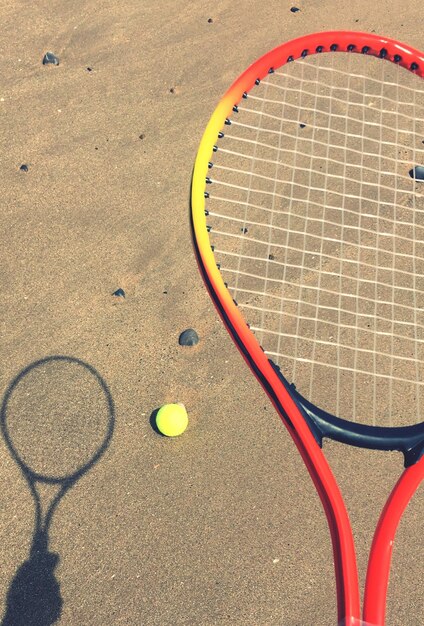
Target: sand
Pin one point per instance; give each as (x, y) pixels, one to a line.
(222, 526)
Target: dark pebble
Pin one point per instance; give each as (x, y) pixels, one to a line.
(210, 20)
(294, 9)
(89, 69)
(244, 230)
(119, 293)
(142, 136)
(188, 337)
(24, 168)
(271, 257)
(417, 172)
(302, 125)
(50, 58)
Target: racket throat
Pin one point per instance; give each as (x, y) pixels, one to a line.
(407, 439)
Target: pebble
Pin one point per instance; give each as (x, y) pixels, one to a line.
(24, 167)
(188, 337)
(294, 9)
(119, 293)
(50, 58)
(417, 172)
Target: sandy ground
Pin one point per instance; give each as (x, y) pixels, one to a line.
(222, 526)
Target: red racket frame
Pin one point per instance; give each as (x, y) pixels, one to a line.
(314, 459)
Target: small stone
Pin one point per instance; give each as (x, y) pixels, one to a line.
(244, 230)
(172, 90)
(417, 173)
(188, 337)
(142, 136)
(50, 59)
(119, 293)
(294, 9)
(24, 167)
(302, 125)
(89, 69)
(271, 257)
(210, 20)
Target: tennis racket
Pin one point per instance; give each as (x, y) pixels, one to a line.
(308, 222)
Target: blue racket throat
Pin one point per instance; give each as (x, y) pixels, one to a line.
(409, 440)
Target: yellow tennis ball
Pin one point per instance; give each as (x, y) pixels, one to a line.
(172, 419)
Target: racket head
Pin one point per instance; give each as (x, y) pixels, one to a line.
(293, 407)
(57, 418)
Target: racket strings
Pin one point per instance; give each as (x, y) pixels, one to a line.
(308, 173)
(414, 274)
(249, 187)
(360, 227)
(317, 225)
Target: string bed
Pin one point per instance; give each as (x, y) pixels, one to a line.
(317, 222)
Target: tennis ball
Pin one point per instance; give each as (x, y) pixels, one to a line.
(172, 419)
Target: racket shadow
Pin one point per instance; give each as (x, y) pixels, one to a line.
(34, 597)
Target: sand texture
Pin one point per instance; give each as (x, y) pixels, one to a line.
(222, 526)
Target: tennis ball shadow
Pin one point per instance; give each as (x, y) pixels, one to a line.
(153, 424)
(34, 597)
